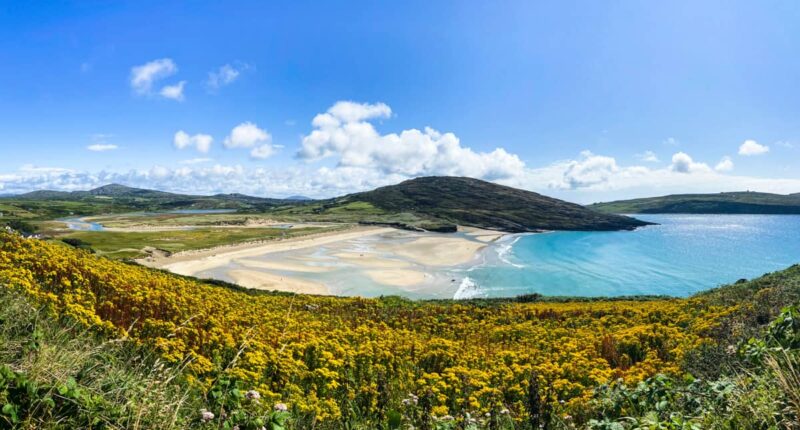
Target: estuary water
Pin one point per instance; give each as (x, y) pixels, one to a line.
(680, 256)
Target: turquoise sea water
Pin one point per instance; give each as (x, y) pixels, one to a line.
(682, 255)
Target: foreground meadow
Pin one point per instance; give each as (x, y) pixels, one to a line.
(326, 362)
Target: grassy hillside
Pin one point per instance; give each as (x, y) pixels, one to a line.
(56, 373)
(441, 203)
(115, 198)
(432, 203)
(379, 364)
(722, 203)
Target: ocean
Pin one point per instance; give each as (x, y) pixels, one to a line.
(680, 256)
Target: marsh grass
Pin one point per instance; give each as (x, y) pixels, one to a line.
(785, 368)
(131, 244)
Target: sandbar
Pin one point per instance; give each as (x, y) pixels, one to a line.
(268, 281)
(387, 256)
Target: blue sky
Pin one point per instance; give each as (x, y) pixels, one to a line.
(586, 101)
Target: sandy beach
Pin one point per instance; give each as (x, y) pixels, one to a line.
(261, 280)
(386, 256)
(191, 262)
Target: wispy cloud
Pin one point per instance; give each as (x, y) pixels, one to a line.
(223, 76)
(671, 141)
(143, 76)
(101, 147)
(192, 161)
(174, 92)
(648, 156)
(100, 143)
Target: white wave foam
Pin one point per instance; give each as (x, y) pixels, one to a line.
(468, 289)
(504, 249)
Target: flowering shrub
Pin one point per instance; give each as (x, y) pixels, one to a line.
(327, 359)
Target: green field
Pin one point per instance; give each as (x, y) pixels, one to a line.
(132, 244)
(133, 220)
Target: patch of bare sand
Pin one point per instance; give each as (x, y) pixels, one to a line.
(290, 265)
(437, 250)
(370, 260)
(191, 262)
(273, 282)
(397, 277)
(482, 235)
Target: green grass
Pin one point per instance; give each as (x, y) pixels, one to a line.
(54, 374)
(364, 208)
(170, 220)
(50, 209)
(131, 244)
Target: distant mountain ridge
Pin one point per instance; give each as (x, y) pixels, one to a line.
(743, 202)
(144, 199)
(118, 190)
(435, 203)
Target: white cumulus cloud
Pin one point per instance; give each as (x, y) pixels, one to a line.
(587, 179)
(247, 135)
(683, 163)
(751, 147)
(588, 170)
(345, 133)
(724, 165)
(355, 156)
(201, 142)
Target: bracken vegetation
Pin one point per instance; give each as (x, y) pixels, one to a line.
(253, 360)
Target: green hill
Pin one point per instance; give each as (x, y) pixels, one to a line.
(150, 199)
(442, 203)
(116, 198)
(430, 203)
(722, 203)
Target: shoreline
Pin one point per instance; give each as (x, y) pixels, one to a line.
(227, 252)
(386, 256)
